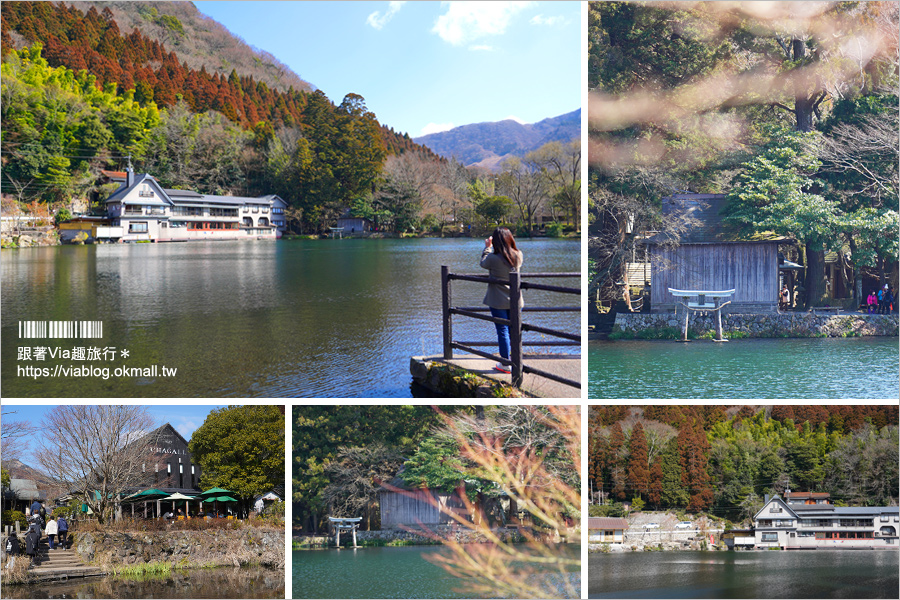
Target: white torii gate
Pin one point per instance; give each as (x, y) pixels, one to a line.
(701, 304)
(344, 524)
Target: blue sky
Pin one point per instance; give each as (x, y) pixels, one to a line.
(184, 418)
(424, 66)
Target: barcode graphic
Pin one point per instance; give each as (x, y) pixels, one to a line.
(60, 329)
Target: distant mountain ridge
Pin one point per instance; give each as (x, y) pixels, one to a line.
(487, 144)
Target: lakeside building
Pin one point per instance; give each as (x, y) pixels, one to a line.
(707, 255)
(167, 467)
(606, 530)
(809, 520)
(142, 210)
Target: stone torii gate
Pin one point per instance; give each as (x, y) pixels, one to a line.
(702, 304)
(344, 524)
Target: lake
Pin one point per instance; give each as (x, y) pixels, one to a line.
(324, 318)
(222, 582)
(386, 572)
(770, 574)
(809, 368)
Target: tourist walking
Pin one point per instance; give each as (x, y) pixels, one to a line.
(785, 297)
(500, 257)
(51, 531)
(62, 527)
(32, 539)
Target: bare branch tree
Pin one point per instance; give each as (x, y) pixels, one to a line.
(101, 453)
(13, 437)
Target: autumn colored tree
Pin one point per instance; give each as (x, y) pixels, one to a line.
(694, 448)
(638, 468)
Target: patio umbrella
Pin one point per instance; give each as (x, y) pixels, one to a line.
(178, 496)
(151, 494)
(217, 499)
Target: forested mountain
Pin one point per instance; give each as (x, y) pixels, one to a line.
(200, 41)
(487, 144)
(81, 93)
(789, 108)
(724, 459)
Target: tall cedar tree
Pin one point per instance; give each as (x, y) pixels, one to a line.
(694, 448)
(617, 470)
(656, 483)
(638, 462)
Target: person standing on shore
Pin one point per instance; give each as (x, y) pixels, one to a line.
(500, 257)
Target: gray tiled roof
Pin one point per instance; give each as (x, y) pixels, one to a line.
(702, 215)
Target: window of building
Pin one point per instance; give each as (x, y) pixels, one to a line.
(775, 509)
(145, 191)
(277, 210)
(769, 536)
(139, 227)
(805, 534)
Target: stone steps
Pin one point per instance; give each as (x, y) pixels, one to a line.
(59, 564)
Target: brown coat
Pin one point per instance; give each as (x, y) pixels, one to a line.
(497, 295)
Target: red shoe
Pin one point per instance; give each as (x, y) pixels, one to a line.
(502, 368)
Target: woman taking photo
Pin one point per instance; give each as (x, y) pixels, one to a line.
(501, 256)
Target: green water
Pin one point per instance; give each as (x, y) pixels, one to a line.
(224, 582)
(818, 368)
(328, 318)
(386, 572)
(782, 574)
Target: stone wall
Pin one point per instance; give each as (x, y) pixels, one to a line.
(214, 547)
(761, 325)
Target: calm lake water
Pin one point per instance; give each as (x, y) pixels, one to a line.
(333, 318)
(401, 572)
(790, 574)
(224, 582)
(819, 368)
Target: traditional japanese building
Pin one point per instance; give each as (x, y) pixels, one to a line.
(707, 255)
(798, 524)
(606, 530)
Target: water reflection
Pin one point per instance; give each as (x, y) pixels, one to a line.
(225, 582)
(336, 318)
(783, 574)
(749, 368)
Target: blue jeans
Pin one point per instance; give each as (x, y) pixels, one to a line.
(502, 330)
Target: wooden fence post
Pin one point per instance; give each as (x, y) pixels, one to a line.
(445, 305)
(515, 328)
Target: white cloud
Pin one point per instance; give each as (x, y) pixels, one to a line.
(467, 21)
(378, 19)
(549, 21)
(482, 47)
(436, 128)
(515, 118)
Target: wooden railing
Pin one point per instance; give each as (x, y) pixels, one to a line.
(516, 326)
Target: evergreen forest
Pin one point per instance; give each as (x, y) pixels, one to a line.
(788, 108)
(80, 96)
(725, 459)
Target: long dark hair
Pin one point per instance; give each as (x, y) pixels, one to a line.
(505, 246)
